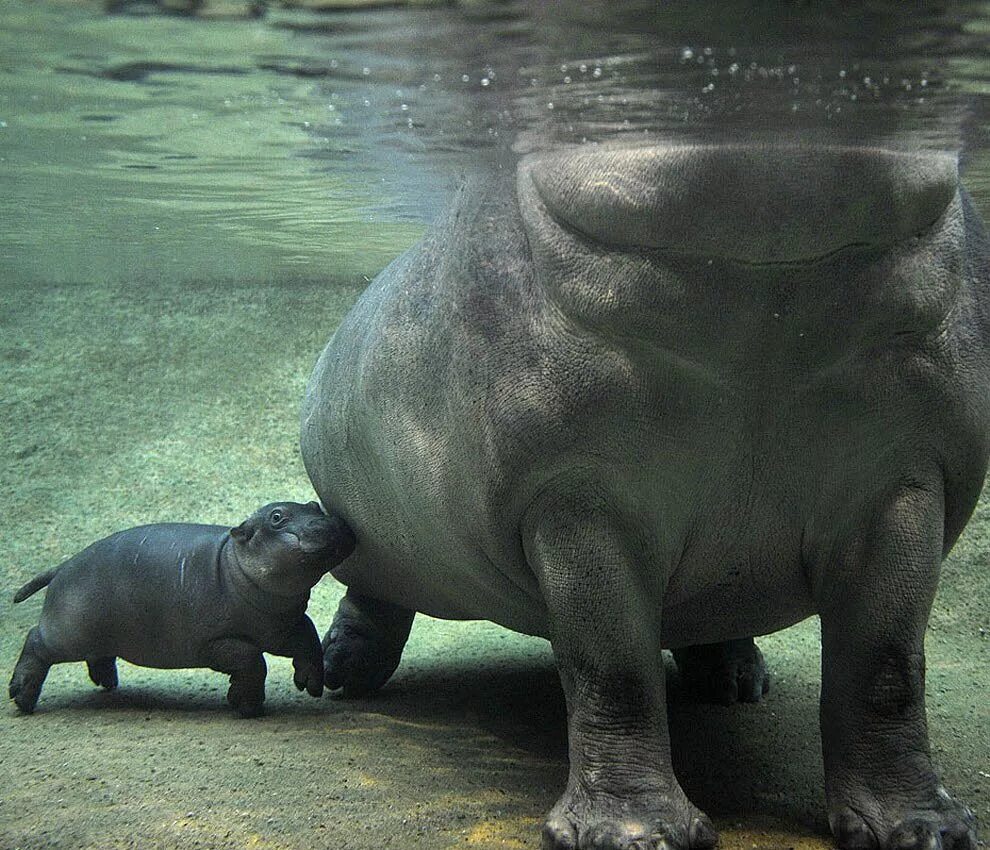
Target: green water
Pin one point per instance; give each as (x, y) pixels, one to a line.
(190, 206)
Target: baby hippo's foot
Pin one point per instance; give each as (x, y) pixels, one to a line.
(103, 672)
(582, 821)
(947, 825)
(724, 673)
(364, 644)
(307, 677)
(246, 699)
(30, 672)
(247, 689)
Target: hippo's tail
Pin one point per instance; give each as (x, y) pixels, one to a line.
(33, 586)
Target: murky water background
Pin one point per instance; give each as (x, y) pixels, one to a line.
(318, 145)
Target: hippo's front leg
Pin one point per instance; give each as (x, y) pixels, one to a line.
(621, 791)
(364, 643)
(874, 600)
(245, 665)
(302, 645)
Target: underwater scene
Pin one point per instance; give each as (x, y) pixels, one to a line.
(194, 196)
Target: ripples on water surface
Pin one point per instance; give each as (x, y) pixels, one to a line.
(318, 144)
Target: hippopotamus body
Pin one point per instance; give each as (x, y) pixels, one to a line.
(186, 595)
(674, 396)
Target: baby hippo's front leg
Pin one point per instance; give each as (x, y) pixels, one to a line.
(245, 665)
(303, 646)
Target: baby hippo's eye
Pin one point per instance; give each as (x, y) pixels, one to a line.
(276, 517)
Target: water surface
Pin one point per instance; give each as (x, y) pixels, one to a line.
(316, 145)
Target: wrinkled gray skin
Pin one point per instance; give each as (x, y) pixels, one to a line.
(675, 396)
(184, 595)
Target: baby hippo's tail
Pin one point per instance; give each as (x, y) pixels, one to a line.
(33, 586)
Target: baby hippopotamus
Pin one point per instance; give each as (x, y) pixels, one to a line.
(183, 595)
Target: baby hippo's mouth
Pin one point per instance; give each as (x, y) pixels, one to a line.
(328, 535)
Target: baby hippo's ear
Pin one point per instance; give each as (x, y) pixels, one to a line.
(241, 534)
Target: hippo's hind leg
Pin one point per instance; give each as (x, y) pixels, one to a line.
(724, 673)
(30, 672)
(245, 665)
(364, 643)
(874, 599)
(103, 671)
(621, 792)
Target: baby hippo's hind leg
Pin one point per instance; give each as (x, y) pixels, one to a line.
(30, 672)
(103, 671)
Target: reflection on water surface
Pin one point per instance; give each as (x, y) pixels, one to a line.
(318, 144)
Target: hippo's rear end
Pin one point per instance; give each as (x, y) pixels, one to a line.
(675, 395)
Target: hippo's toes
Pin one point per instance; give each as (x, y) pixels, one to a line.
(614, 824)
(356, 661)
(30, 672)
(24, 691)
(364, 645)
(724, 673)
(951, 827)
(308, 677)
(103, 672)
(245, 700)
(247, 687)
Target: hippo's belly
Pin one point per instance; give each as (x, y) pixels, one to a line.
(726, 487)
(742, 417)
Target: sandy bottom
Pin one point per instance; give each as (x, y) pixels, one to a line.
(122, 407)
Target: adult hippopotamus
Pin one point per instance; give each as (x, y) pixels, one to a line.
(675, 396)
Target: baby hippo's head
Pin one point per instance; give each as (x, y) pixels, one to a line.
(286, 547)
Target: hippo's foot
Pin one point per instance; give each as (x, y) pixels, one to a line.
(883, 792)
(865, 824)
(30, 672)
(307, 677)
(246, 697)
(246, 666)
(607, 822)
(621, 792)
(364, 644)
(724, 673)
(103, 672)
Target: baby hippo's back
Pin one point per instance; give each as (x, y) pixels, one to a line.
(151, 595)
